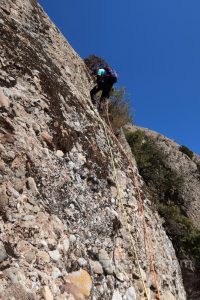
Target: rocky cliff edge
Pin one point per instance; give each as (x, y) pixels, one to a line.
(62, 230)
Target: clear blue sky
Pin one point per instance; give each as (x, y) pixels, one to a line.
(155, 47)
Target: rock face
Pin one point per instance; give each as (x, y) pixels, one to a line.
(188, 199)
(188, 168)
(63, 234)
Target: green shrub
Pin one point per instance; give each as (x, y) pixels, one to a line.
(119, 108)
(165, 184)
(186, 151)
(181, 229)
(152, 166)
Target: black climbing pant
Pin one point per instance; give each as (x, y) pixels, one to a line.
(104, 86)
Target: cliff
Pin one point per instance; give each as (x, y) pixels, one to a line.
(175, 191)
(63, 230)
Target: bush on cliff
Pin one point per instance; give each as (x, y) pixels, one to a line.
(119, 108)
(164, 184)
(152, 166)
(186, 151)
(181, 229)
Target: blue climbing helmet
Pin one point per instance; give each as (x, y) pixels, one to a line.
(111, 73)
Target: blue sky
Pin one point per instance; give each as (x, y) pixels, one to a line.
(155, 47)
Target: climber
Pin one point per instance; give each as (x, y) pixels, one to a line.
(106, 77)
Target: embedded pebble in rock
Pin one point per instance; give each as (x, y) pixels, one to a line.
(79, 283)
(2, 166)
(72, 238)
(66, 244)
(10, 155)
(3, 201)
(55, 255)
(2, 149)
(36, 128)
(140, 286)
(42, 244)
(132, 202)
(59, 153)
(51, 244)
(4, 101)
(46, 293)
(82, 262)
(130, 294)
(30, 257)
(17, 291)
(119, 275)
(15, 275)
(14, 192)
(96, 267)
(56, 273)
(43, 257)
(168, 296)
(28, 218)
(3, 253)
(106, 262)
(117, 296)
(47, 138)
(32, 185)
(113, 191)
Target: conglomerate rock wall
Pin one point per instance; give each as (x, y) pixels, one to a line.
(188, 199)
(63, 235)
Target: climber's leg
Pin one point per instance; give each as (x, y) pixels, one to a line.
(93, 92)
(105, 95)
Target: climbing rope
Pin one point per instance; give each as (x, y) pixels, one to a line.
(122, 206)
(141, 208)
(120, 196)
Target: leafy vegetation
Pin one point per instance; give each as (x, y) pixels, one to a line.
(165, 184)
(119, 108)
(181, 229)
(186, 151)
(152, 165)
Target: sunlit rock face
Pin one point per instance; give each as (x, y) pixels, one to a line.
(186, 166)
(63, 234)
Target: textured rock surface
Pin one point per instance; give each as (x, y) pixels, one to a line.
(188, 168)
(4, 101)
(62, 229)
(188, 197)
